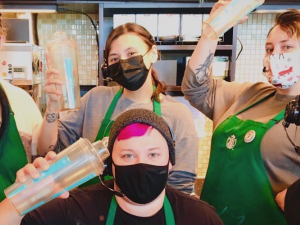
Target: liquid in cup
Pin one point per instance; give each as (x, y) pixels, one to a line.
(72, 167)
(227, 16)
(63, 57)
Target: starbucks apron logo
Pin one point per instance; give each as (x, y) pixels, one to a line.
(231, 142)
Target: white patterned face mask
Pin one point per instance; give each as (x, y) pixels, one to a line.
(282, 70)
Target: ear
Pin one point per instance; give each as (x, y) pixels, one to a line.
(170, 166)
(153, 54)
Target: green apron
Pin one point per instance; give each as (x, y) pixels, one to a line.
(237, 183)
(13, 155)
(167, 209)
(107, 123)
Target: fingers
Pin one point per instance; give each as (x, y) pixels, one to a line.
(51, 72)
(53, 81)
(243, 20)
(31, 169)
(48, 60)
(64, 195)
(50, 156)
(53, 86)
(219, 4)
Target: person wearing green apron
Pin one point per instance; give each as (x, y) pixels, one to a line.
(130, 53)
(251, 158)
(142, 150)
(12, 153)
(243, 194)
(107, 123)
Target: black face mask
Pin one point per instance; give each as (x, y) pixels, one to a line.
(141, 183)
(130, 73)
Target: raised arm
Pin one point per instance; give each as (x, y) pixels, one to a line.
(198, 85)
(49, 129)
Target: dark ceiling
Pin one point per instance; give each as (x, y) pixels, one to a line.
(278, 2)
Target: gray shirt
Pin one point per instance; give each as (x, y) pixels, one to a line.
(218, 99)
(86, 123)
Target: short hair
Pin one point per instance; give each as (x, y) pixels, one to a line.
(289, 22)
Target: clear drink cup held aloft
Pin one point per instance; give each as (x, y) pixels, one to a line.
(63, 56)
(227, 16)
(72, 167)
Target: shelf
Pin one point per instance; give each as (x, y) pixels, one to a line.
(188, 47)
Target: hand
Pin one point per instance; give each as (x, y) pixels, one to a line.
(223, 3)
(32, 169)
(53, 82)
(280, 198)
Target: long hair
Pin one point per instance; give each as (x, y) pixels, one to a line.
(147, 39)
(4, 111)
(289, 22)
(3, 97)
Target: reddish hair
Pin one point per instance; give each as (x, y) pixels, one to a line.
(134, 130)
(141, 32)
(289, 22)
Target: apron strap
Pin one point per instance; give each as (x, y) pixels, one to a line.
(156, 104)
(277, 118)
(170, 220)
(113, 104)
(255, 103)
(113, 209)
(109, 112)
(111, 108)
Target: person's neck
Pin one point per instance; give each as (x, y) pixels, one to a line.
(142, 95)
(145, 210)
(294, 90)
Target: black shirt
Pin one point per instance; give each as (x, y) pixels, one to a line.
(90, 206)
(292, 204)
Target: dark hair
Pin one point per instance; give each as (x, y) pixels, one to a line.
(5, 112)
(148, 40)
(289, 22)
(3, 97)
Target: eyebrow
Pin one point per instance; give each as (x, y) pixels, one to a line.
(283, 41)
(112, 54)
(154, 148)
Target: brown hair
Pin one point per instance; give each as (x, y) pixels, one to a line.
(148, 40)
(289, 22)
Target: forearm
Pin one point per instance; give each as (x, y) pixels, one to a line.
(182, 181)
(198, 84)
(202, 57)
(49, 130)
(8, 214)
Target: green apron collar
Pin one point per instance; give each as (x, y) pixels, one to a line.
(272, 121)
(107, 122)
(167, 209)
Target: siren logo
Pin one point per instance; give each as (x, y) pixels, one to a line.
(231, 142)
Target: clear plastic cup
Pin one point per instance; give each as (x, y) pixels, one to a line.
(227, 16)
(72, 167)
(63, 56)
